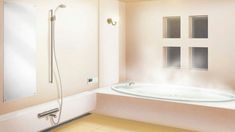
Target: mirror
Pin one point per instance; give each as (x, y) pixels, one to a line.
(19, 50)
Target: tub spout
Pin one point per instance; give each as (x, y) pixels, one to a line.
(131, 83)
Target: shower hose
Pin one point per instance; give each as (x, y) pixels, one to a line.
(58, 85)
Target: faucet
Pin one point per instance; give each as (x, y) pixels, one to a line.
(50, 113)
(131, 83)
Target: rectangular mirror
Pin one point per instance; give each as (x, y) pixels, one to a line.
(19, 50)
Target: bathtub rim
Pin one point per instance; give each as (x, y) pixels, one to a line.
(220, 105)
(219, 92)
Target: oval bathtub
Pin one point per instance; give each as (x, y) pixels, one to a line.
(174, 92)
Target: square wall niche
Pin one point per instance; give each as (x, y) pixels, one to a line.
(172, 57)
(198, 26)
(171, 27)
(199, 58)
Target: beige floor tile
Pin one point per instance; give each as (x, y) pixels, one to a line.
(100, 123)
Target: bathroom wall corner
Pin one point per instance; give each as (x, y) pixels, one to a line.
(109, 42)
(122, 42)
(1, 51)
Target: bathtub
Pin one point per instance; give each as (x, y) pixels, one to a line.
(174, 92)
(191, 108)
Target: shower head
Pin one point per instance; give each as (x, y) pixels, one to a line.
(59, 6)
(62, 6)
(53, 12)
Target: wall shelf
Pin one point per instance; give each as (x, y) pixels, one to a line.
(198, 26)
(171, 27)
(172, 57)
(199, 57)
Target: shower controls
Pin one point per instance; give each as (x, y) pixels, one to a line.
(49, 113)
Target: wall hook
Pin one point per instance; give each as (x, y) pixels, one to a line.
(110, 21)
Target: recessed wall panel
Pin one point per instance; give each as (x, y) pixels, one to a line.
(199, 57)
(172, 28)
(173, 57)
(199, 26)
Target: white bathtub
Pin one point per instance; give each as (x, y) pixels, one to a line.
(174, 92)
(190, 108)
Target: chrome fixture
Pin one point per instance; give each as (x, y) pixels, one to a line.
(52, 74)
(49, 113)
(131, 83)
(111, 21)
(52, 38)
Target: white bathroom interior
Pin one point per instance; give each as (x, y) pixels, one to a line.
(139, 65)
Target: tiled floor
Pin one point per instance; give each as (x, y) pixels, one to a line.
(100, 123)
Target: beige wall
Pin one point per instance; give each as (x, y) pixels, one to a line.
(108, 43)
(145, 42)
(122, 42)
(111, 43)
(77, 49)
(1, 53)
